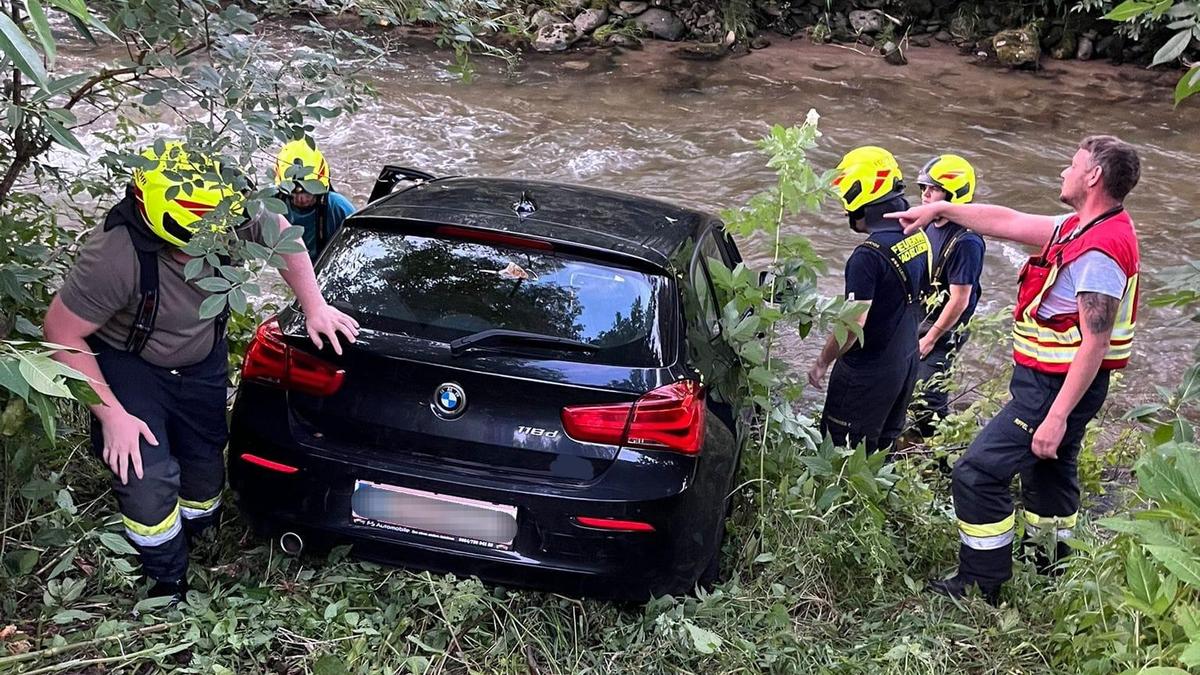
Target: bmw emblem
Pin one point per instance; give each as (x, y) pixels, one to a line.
(449, 401)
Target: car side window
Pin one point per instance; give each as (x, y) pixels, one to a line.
(707, 251)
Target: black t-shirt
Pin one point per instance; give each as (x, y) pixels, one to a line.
(962, 267)
(890, 334)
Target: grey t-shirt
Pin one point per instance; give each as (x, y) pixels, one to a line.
(103, 288)
(1092, 272)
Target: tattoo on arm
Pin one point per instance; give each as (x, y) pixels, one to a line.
(1099, 311)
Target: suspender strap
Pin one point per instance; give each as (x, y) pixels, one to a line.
(896, 264)
(147, 311)
(947, 249)
(322, 212)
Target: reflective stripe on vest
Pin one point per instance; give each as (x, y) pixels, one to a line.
(1050, 345)
(1047, 345)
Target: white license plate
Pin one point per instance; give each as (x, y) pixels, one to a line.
(445, 517)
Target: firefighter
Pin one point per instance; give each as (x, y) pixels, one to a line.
(131, 320)
(1074, 323)
(320, 213)
(957, 255)
(872, 380)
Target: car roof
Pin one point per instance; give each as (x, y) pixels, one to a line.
(650, 230)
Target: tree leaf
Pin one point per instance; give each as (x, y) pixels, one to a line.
(214, 284)
(1146, 531)
(11, 378)
(1142, 411)
(41, 26)
(212, 306)
(71, 616)
(83, 392)
(1142, 579)
(275, 205)
(1188, 84)
(41, 372)
(1181, 563)
(193, 269)
(237, 301)
(152, 98)
(705, 641)
(65, 563)
(81, 26)
(63, 136)
(117, 543)
(1130, 9)
(79, 12)
(329, 665)
(14, 45)
(153, 603)
(1191, 656)
(1173, 48)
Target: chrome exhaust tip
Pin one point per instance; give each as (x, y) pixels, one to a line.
(291, 543)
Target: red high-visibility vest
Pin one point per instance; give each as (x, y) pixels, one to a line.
(1049, 345)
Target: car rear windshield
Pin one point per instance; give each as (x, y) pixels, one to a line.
(443, 289)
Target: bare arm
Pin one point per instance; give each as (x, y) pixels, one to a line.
(122, 431)
(323, 321)
(833, 351)
(960, 297)
(986, 219)
(64, 327)
(1097, 313)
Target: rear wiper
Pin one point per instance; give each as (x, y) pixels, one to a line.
(520, 338)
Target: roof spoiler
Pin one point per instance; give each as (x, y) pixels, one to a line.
(390, 175)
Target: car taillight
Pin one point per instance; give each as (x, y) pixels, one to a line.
(270, 359)
(668, 418)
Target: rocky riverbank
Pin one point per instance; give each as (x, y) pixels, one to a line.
(1018, 37)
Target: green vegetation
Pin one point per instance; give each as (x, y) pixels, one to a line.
(1183, 18)
(827, 549)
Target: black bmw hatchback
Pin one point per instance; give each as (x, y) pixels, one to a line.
(535, 396)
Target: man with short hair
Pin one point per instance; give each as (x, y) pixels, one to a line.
(1074, 323)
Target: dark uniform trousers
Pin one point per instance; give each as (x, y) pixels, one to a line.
(179, 493)
(1049, 488)
(869, 404)
(931, 403)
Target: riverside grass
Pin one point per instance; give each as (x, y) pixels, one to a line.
(812, 587)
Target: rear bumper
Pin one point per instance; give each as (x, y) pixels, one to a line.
(681, 497)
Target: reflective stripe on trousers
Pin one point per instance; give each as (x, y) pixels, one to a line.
(153, 535)
(192, 509)
(1063, 526)
(987, 536)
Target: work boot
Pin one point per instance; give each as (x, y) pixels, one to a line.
(1036, 553)
(958, 587)
(176, 590)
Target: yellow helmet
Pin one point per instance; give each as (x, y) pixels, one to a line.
(189, 180)
(951, 173)
(866, 175)
(300, 153)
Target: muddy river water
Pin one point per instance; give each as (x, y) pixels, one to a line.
(653, 124)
